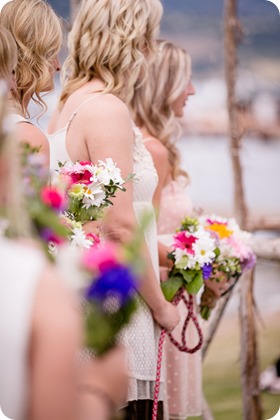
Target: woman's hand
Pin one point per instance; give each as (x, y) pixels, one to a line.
(167, 316)
(105, 375)
(218, 287)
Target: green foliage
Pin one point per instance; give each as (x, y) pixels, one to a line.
(171, 286)
(103, 327)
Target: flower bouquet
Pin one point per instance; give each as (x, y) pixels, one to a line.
(194, 251)
(193, 254)
(90, 187)
(44, 202)
(235, 254)
(109, 297)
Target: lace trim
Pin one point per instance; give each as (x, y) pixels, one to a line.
(141, 153)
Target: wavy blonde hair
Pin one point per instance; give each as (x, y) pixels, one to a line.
(111, 40)
(151, 106)
(38, 35)
(8, 54)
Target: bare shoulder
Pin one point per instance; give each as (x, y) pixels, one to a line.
(32, 135)
(107, 106)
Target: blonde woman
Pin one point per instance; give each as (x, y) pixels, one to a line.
(156, 105)
(39, 377)
(108, 46)
(37, 32)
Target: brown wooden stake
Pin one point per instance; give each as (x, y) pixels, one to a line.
(214, 322)
(231, 27)
(252, 409)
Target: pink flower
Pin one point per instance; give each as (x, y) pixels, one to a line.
(94, 238)
(185, 241)
(240, 250)
(81, 177)
(53, 198)
(100, 259)
(86, 162)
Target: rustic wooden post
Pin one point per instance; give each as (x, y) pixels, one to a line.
(214, 322)
(249, 361)
(252, 409)
(231, 27)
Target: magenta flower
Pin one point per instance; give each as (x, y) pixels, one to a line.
(101, 259)
(185, 241)
(53, 198)
(94, 238)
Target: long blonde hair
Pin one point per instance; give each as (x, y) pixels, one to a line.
(38, 35)
(111, 40)
(151, 106)
(8, 54)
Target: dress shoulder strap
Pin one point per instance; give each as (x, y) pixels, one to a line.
(17, 118)
(80, 106)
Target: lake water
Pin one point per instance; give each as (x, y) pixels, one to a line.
(207, 160)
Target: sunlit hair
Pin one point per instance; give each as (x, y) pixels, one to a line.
(11, 205)
(8, 54)
(38, 35)
(168, 77)
(111, 40)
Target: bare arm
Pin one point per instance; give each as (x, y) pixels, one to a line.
(110, 134)
(28, 133)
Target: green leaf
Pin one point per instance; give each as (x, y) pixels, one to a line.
(189, 275)
(171, 287)
(195, 285)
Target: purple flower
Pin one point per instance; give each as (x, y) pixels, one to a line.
(249, 262)
(48, 235)
(117, 283)
(206, 271)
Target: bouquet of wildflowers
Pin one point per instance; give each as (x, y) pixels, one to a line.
(44, 202)
(90, 187)
(193, 254)
(112, 272)
(109, 297)
(235, 254)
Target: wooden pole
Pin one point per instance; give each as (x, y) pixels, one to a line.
(214, 322)
(231, 26)
(252, 409)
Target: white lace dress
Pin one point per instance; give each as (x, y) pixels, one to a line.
(142, 334)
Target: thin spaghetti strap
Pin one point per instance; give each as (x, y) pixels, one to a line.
(79, 107)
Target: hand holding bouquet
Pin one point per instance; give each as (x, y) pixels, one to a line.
(193, 254)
